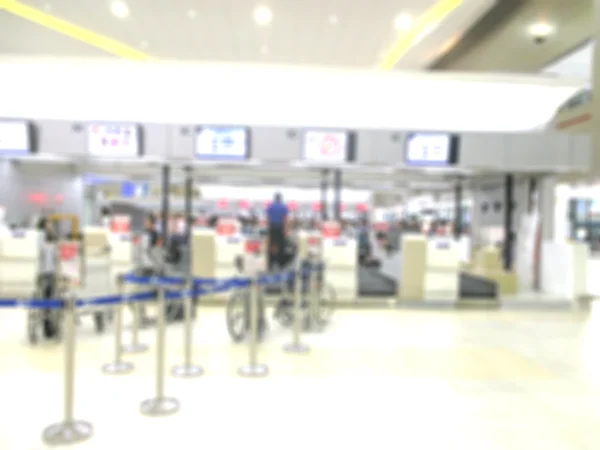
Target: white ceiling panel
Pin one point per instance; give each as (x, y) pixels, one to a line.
(342, 33)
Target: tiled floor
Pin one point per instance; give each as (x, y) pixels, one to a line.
(391, 379)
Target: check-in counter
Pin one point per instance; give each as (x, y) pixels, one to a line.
(340, 255)
(564, 269)
(430, 269)
(19, 262)
(214, 251)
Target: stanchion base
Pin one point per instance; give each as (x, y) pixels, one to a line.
(159, 406)
(118, 368)
(66, 433)
(296, 348)
(187, 371)
(254, 370)
(134, 348)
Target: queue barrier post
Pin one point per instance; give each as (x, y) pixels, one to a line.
(160, 405)
(188, 369)
(118, 366)
(253, 369)
(69, 431)
(297, 346)
(135, 346)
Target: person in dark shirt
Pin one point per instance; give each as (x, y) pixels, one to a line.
(277, 215)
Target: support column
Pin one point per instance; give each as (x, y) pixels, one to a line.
(595, 157)
(509, 236)
(458, 210)
(165, 206)
(337, 195)
(188, 202)
(324, 188)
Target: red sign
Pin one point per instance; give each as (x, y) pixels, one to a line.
(226, 227)
(244, 204)
(67, 251)
(253, 246)
(331, 230)
(120, 224)
(222, 203)
(381, 226)
(292, 206)
(314, 240)
(362, 207)
(316, 206)
(39, 198)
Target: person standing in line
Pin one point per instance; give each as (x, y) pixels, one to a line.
(277, 216)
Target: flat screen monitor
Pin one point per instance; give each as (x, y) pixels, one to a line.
(329, 147)
(114, 140)
(431, 149)
(15, 138)
(222, 144)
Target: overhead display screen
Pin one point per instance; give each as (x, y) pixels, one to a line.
(431, 149)
(222, 144)
(15, 137)
(114, 140)
(326, 147)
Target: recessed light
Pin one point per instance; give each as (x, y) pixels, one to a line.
(192, 14)
(48, 7)
(263, 15)
(144, 45)
(119, 9)
(541, 29)
(333, 19)
(264, 49)
(402, 22)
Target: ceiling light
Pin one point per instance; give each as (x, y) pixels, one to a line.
(333, 19)
(119, 9)
(192, 14)
(402, 22)
(264, 49)
(263, 15)
(48, 7)
(541, 29)
(144, 45)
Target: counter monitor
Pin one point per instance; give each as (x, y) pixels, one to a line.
(15, 138)
(431, 149)
(222, 144)
(107, 140)
(329, 147)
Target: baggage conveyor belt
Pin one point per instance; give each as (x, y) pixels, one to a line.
(373, 283)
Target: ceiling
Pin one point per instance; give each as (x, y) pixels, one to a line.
(509, 46)
(345, 33)
(576, 64)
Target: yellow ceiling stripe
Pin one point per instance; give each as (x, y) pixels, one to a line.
(73, 31)
(431, 18)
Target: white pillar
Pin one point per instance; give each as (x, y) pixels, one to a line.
(547, 206)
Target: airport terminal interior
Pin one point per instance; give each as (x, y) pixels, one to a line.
(320, 224)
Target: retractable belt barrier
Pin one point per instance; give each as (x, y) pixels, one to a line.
(201, 287)
(69, 430)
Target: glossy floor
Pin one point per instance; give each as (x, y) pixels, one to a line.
(376, 379)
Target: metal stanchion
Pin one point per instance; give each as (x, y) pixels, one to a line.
(188, 369)
(160, 405)
(296, 346)
(118, 366)
(253, 368)
(135, 346)
(69, 431)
